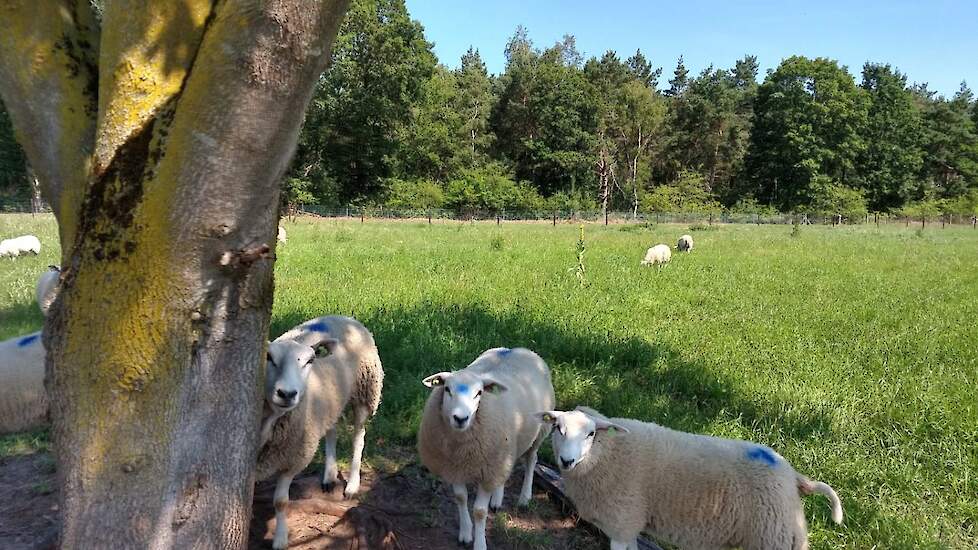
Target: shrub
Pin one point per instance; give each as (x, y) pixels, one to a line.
(832, 198)
(418, 194)
(687, 194)
(491, 188)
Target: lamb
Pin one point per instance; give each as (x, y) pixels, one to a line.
(282, 236)
(695, 491)
(657, 255)
(304, 397)
(463, 441)
(20, 245)
(47, 288)
(685, 243)
(23, 402)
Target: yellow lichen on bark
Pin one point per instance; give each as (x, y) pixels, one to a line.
(124, 338)
(47, 60)
(147, 50)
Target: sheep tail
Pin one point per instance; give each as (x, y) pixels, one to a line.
(807, 487)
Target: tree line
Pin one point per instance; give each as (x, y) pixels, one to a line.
(389, 125)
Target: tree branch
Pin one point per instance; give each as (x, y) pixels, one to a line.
(49, 84)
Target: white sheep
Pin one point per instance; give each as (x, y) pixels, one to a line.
(659, 255)
(305, 396)
(23, 402)
(685, 243)
(20, 245)
(47, 288)
(628, 477)
(282, 236)
(478, 422)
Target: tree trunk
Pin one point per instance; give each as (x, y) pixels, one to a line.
(160, 144)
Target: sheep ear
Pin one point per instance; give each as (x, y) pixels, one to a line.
(610, 427)
(436, 379)
(548, 417)
(327, 346)
(493, 386)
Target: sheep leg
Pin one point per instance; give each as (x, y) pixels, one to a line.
(329, 461)
(526, 493)
(480, 510)
(619, 545)
(281, 539)
(496, 502)
(633, 545)
(461, 494)
(359, 434)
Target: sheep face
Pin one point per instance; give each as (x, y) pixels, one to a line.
(462, 392)
(287, 371)
(573, 435)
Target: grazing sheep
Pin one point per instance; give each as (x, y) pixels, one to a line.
(685, 243)
(282, 236)
(47, 288)
(695, 491)
(657, 255)
(23, 402)
(478, 422)
(304, 398)
(20, 245)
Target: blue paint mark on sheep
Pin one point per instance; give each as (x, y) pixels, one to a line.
(318, 326)
(504, 352)
(462, 389)
(27, 340)
(762, 454)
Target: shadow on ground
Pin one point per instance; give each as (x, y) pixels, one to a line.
(633, 377)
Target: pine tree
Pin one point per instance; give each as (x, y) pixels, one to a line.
(679, 81)
(474, 102)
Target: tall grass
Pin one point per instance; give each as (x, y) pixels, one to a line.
(852, 351)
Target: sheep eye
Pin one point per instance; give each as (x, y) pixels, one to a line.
(478, 393)
(590, 434)
(448, 390)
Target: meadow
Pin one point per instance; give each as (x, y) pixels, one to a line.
(849, 350)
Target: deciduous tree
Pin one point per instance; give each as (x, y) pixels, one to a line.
(159, 133)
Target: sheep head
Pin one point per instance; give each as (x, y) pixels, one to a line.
(573, 434)
(462, 392)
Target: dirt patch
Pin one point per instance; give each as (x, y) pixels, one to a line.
(28, 502)
(400, 506)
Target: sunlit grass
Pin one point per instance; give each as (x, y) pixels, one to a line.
(852, 351)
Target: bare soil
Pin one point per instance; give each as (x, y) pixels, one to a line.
(400, 506)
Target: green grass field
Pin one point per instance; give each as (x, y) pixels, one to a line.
(852, 351)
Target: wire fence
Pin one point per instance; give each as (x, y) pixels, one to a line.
(596, 216)
(431, 215)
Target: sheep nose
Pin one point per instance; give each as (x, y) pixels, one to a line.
(460, 420)
(566, 463)
(287, 395)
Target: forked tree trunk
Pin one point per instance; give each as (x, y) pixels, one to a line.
(159, 141)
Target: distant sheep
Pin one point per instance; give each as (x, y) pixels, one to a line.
(19, 246)
(304, 398)
(47, 288)
(657, 255)
(282, 236)
(695, 491)
(685, 243)
(23, 402)
(478, 422)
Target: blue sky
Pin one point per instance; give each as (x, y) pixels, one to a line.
(933, 41)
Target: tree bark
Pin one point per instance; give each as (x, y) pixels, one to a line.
(160, 144)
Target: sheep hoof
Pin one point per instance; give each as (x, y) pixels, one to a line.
(328, 486)
(494, 509)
